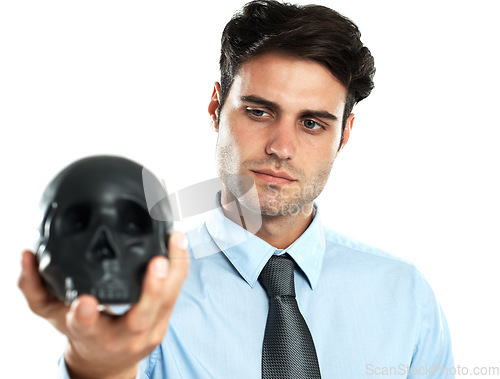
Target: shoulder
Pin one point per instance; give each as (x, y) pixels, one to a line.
(398, 286)
(377, 271)
(368, 263)
(338, 243)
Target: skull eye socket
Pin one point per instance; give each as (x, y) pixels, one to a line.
(133, 218)
(75, 219)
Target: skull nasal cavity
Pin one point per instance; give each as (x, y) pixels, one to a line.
(102, 249)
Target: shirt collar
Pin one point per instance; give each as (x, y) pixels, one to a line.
(248, 253)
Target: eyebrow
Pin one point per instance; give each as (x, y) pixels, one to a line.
(305, 113)
(260, 101)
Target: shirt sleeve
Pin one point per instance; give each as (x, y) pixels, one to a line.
(62, 372)
(432, 355)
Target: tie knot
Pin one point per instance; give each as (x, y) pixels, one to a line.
(277, 276)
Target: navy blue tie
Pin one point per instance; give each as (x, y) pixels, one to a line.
(288, 349)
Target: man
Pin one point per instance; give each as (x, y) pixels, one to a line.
(290, 77)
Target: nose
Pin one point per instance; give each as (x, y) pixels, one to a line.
(282, 139)
(102, 249)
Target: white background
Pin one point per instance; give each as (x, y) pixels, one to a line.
(419, 177)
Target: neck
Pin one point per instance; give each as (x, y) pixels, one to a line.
(278, 231)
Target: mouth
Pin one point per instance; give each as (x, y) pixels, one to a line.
(273, 177)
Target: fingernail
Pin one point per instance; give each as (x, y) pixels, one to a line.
(160, 268)
(180, 241)
(25, 257)
(85, 310)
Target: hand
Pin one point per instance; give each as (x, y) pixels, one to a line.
(103, 346)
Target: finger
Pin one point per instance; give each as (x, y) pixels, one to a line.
(83, 316)
(30, 283)
(39, 299)
(161, 286)
(179, 262)
(153, 288)
(178, 269)
(144, 315)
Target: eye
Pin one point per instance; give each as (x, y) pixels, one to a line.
(256, 113)
(312, 125)
(133, 218)
(75, 219)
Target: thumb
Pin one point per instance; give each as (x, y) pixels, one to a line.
(83, 315)
(178, 257)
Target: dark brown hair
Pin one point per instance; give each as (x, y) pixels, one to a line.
(311, 31)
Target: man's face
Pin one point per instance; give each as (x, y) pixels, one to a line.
(281, 126)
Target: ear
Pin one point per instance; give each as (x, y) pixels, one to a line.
(347, 130)
(213, 107)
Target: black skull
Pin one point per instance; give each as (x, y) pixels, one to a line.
(97, 234)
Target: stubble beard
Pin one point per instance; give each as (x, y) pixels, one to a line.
(290, 200)
(272, 200)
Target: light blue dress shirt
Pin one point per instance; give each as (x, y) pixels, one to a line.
(370, 314)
